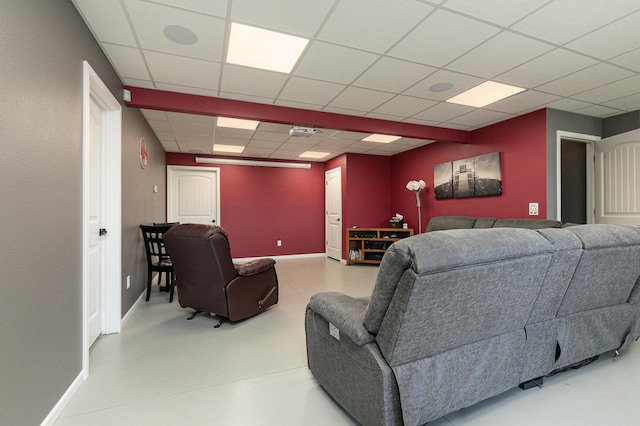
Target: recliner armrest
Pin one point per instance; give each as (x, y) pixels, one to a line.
(254, 267)
(346, 313)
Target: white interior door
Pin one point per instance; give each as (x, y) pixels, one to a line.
(333, 208)
(95, 218)
(617, 184)
(193, 194)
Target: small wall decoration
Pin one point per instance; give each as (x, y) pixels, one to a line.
(143, 153)
(469, 177)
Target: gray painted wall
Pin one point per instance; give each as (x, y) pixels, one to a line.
(569, 122)
(42, 46)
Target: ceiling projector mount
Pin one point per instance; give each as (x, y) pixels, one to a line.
(304, 132)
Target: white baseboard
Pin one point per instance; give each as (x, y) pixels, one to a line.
(62, 403)
(133, 308)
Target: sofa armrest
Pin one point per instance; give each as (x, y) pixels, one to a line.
(254, 267)
(346, 313)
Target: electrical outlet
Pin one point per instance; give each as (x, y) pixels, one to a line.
(128, 281)
(533, 209)
(279, 243)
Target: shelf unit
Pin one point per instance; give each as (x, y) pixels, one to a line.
(368, 245)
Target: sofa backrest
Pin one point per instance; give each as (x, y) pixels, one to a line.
(440, 223)
(441, 290)
(527, 223)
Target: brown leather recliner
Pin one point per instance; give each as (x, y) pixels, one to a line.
(207, 279)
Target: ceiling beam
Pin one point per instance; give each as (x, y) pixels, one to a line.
(206, 105)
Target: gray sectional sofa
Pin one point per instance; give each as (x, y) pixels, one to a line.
(440, 223)
(461, 315)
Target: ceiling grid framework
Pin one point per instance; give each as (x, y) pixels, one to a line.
(377, 60)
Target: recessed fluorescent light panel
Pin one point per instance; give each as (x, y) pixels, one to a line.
(313, 154)
(235, 149)
(237, 123)
(485, 94)
(381, 138)
(264, 49)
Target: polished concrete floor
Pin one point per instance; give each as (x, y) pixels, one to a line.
(164, 370)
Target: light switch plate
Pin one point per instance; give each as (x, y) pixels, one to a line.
(533, 209)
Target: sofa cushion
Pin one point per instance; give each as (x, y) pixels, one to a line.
(440, 223)
(484, 222)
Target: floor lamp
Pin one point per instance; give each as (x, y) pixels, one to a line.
(416, 186)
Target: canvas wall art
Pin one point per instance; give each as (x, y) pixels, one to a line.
(469, 177)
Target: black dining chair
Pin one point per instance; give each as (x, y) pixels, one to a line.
(157, 258)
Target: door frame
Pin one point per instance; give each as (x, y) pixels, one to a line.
(93, 87)
(590, 140)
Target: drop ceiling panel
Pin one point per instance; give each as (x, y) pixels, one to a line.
(128, 61)
(252, 81)
(443, 112)
(523, 102)
(611, 91)
(627, 103)
(360, 99)
(497, 55)
(302, 18)
(500, 12)
(613, 40)
(337, 64)
(629, 60)
(305, 90)
(393, 75)
(387, 22)
(449, 36)
(459, 82)
(560, 22)
(586, 79)
(107, 21)
(216, 8)
(548, 67)
(171, 69)
(149, 21)
(480, 117)
(404, 105)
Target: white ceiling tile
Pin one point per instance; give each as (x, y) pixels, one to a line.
(629, 60)
(376, 27)
(217, 7)
(310, 91)
(548, 67)
(393, 75)
(133, 82)
(562, 21)
(255, 143)
(404, 105)
(599, 111)
(185, 130)
(497, 55)
(152, 114)
(360, 99)
(568, 104)
(343, 111)
(277, 137)
(299, 105)
(337, 64)
(585, 79)
(226, 132)
(171, 69)
(627, 103)
(500, 12)
(609, 91)
(250, 81)
(179, 118)
(479, 117)
(441, 38)
(165, 136)
(272, 127)
(523, 101)
(149, 21)
(185, 89)
(443, 112)
(107, 21)
(615, 39)
(159, 125)
(252, 151)
(297, 17)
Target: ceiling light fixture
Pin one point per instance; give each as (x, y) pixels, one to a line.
(485, 94)
(237, 123)
(240, 162)
(264, 49)
(376, 137)
(235, 149)
(313, 154)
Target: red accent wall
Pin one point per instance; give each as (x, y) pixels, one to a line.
(260, 205)
(522, 143)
